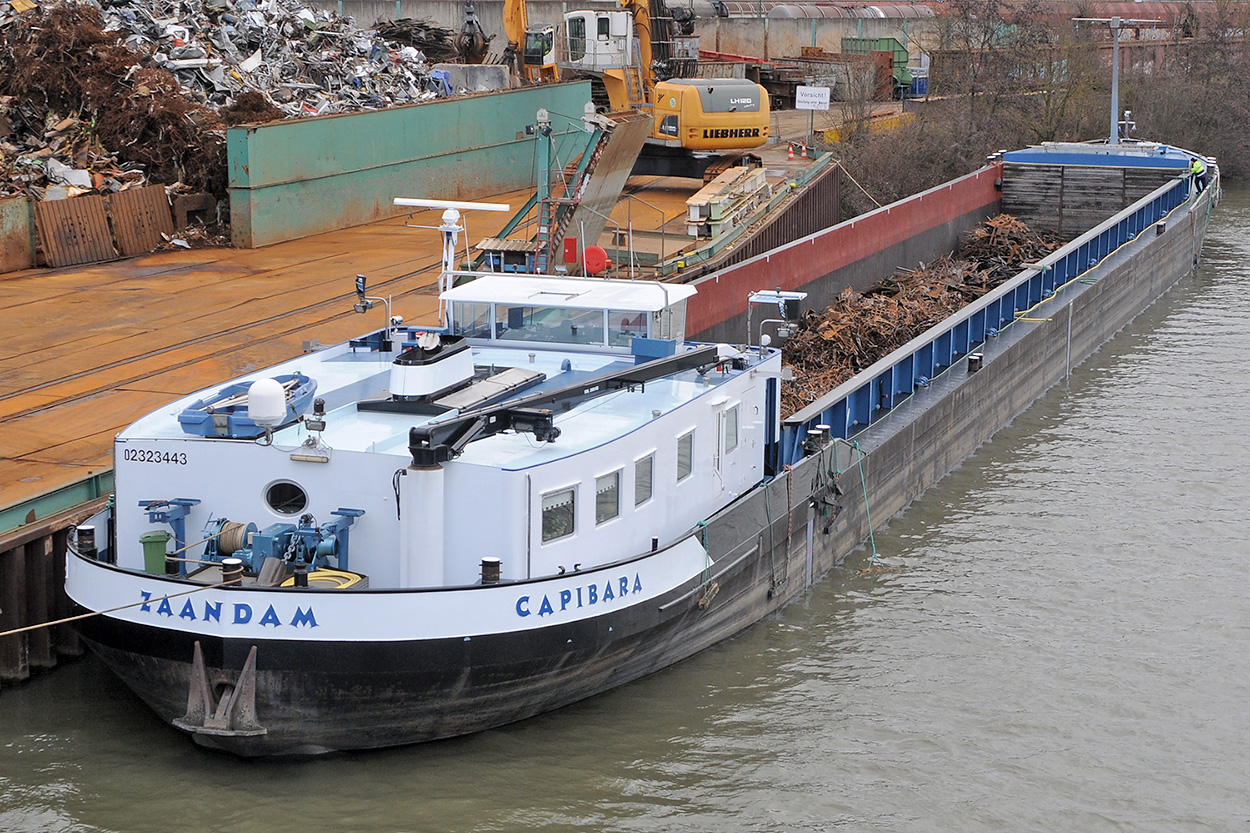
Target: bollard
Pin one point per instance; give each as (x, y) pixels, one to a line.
(86, 541)
(232, 571)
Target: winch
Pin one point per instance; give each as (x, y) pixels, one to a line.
(304, 543)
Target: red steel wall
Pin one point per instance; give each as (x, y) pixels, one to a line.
(723, 295)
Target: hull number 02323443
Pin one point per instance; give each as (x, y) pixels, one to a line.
(150, 455)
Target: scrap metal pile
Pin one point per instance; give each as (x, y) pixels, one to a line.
(857, 330)
(113, 94)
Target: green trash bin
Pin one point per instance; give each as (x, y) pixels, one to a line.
(154, 550)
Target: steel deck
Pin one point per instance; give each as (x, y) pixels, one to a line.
(88, 349)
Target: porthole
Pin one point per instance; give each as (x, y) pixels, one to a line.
(286, 498)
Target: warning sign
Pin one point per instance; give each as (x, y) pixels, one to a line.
(811, 98)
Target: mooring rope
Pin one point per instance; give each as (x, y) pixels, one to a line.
(707, 553)
(860, 187)
(80, 616)
(872, 538)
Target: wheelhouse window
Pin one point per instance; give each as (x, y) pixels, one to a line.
(624, 326)
(644, 469)
(471, 320)
(558, 514)
(549, 324)
(607, 497)
(731, 429)
(685, 456)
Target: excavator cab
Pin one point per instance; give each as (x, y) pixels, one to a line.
(538, 55)
(597, 41)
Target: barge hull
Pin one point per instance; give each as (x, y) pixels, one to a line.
(926, 437)
(381, 694)
(766, 549)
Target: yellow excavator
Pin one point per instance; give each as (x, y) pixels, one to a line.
(643, 52)
(535, 46)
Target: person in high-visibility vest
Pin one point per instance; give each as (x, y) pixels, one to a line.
(1198, 173)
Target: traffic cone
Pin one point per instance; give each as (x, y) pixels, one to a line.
(790, 152)
(805, 150)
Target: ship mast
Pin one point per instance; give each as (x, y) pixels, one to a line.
(1115, 24)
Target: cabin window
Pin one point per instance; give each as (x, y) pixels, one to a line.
(471, 320)
(685, 456)
(577, 38)
(604, 29)
(731, 429)
(607, 497)
(624, 326)
(643, 471)
(560, 325)
(558, 514)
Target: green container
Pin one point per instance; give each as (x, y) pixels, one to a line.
(862, 46)
(154, 550)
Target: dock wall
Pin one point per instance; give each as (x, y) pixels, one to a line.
(351, 166)
(32, 590)
(854, 254)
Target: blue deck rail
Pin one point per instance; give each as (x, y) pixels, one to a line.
(873, 393)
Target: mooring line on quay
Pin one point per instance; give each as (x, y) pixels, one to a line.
(80, 616)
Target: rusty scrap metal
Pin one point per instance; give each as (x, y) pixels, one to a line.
(858, 329)
(101, 96)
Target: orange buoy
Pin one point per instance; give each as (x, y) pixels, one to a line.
(595, 259)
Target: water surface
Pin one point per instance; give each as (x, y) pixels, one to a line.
(1063, 647)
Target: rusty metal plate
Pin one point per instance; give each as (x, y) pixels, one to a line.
(16, 238)
(74, 231)
(140, 215)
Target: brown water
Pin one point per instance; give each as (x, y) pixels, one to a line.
(1064, 648)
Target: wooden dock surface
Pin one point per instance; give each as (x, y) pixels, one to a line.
(86, 350)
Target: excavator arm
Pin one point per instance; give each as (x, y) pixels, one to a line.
(641, 12)
(516, 20)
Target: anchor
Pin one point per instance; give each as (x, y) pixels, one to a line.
(234, 715)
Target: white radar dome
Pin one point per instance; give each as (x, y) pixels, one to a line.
(266, 403)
